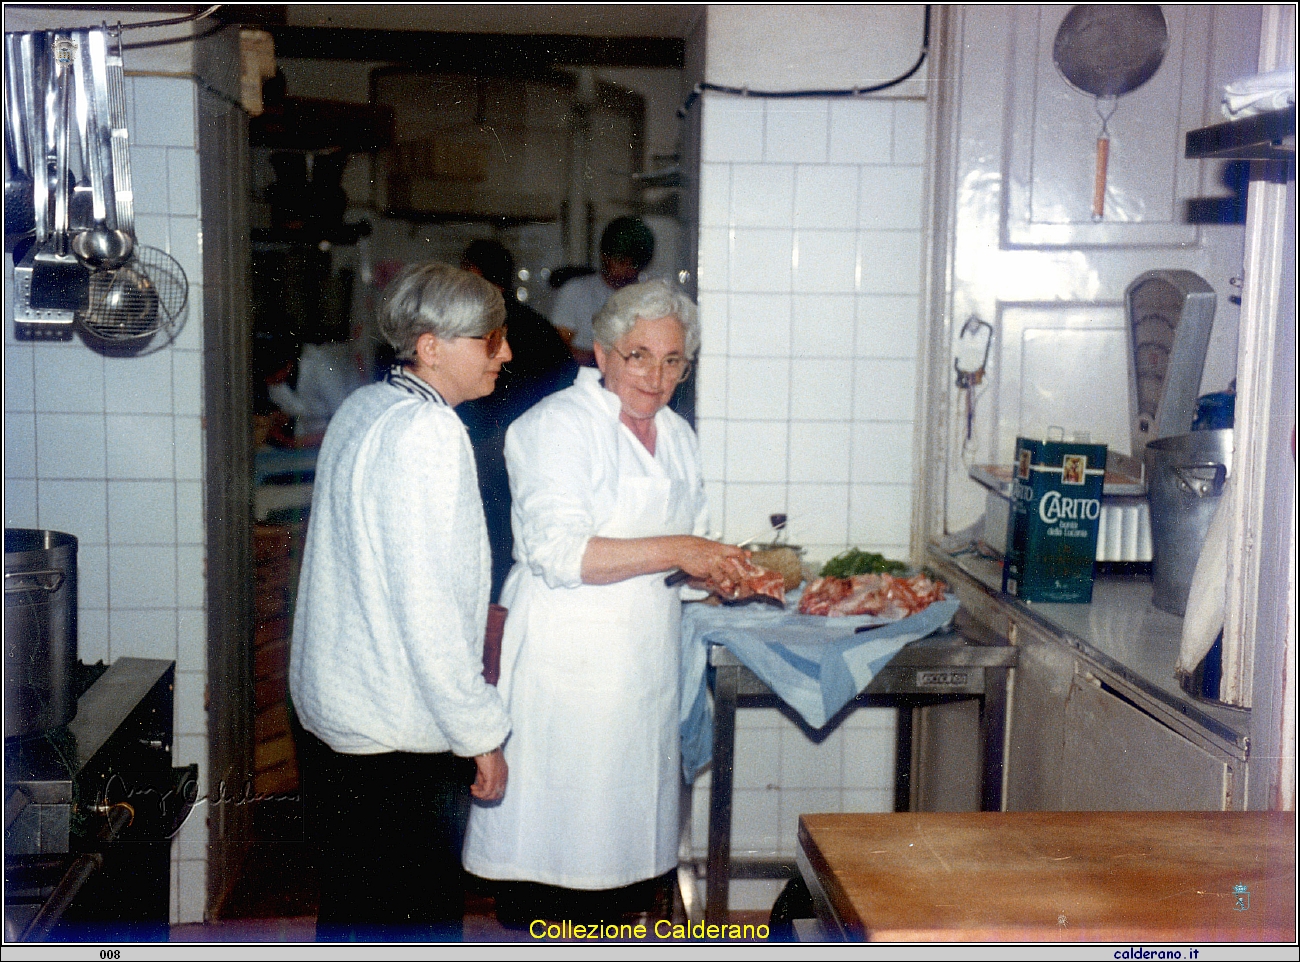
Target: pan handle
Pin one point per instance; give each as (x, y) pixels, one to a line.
(1099, 179)
(54, 583)
(1197, 486)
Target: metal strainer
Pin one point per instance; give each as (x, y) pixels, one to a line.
(145, 295)
(1106, 51)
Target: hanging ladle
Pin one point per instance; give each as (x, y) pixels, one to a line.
(1106, 51)
(104, 246)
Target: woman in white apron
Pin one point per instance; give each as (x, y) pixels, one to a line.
(608, 497)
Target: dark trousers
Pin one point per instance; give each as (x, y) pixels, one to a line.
(518, 904)
(387, 830)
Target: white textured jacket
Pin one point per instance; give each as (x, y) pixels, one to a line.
(388, 630)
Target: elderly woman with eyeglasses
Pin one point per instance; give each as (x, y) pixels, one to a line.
(608, 497)
(386, 664)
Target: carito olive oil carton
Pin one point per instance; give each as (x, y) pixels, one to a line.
(1052, 531)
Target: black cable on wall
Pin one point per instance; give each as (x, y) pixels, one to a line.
(700, 88)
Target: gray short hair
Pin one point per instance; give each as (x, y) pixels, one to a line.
(646, 301)
(439, 300)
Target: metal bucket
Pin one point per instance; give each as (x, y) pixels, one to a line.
(40, 630)
(1185, 481)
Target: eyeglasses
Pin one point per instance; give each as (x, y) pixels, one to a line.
(493, 340)
(675, 366)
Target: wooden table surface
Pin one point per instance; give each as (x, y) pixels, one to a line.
(1057, 876)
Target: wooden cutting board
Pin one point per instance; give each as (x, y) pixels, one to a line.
(1058, 876)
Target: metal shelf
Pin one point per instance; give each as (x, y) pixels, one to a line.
(1266, 136)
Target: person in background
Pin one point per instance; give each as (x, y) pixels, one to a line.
(387, 656)
(608, 498)
(626, 249)
(541, 365)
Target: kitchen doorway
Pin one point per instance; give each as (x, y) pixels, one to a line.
(367, 159)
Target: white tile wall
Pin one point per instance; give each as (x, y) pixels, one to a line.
(20, 503)
(809, 278)
(887, 326)
(761, 327)
(781, 773)
(810, 270)
(819, 452)
(110, 450)
(732, 130)
(81, 390)
(760, 259)
(795, 131)
(861, 131)
(758, 387)
(20, 438)
(20, 392)
(762, 195)
(756, 451)
(825, 262)
(821, 389)
(823, 324)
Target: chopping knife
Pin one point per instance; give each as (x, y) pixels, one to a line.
(756, 597)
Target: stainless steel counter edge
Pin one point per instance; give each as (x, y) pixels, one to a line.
(1227, 729)
(108, 702)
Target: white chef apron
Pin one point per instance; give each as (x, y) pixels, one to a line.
(590, 678)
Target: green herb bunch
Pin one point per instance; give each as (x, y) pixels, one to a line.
(855, 562)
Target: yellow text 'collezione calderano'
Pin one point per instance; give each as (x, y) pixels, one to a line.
(662, 929)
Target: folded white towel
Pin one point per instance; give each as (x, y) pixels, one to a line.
(1262, 92)
(1207, 598)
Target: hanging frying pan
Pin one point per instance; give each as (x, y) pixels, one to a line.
(1107, 51)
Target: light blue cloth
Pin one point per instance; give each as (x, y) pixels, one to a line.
(814, 664)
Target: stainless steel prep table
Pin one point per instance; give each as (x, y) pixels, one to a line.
(939, 667)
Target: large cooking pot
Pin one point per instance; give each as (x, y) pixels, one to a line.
(1185, 477)
(40, 630)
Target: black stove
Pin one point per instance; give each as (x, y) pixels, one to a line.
(90, 812)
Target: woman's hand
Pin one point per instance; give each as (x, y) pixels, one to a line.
(490, 783)
(608, 560)
(710, 561)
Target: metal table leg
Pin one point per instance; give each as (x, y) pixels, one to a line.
(726, 684)
(993, 732)
(903, 757)
(925, 671)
